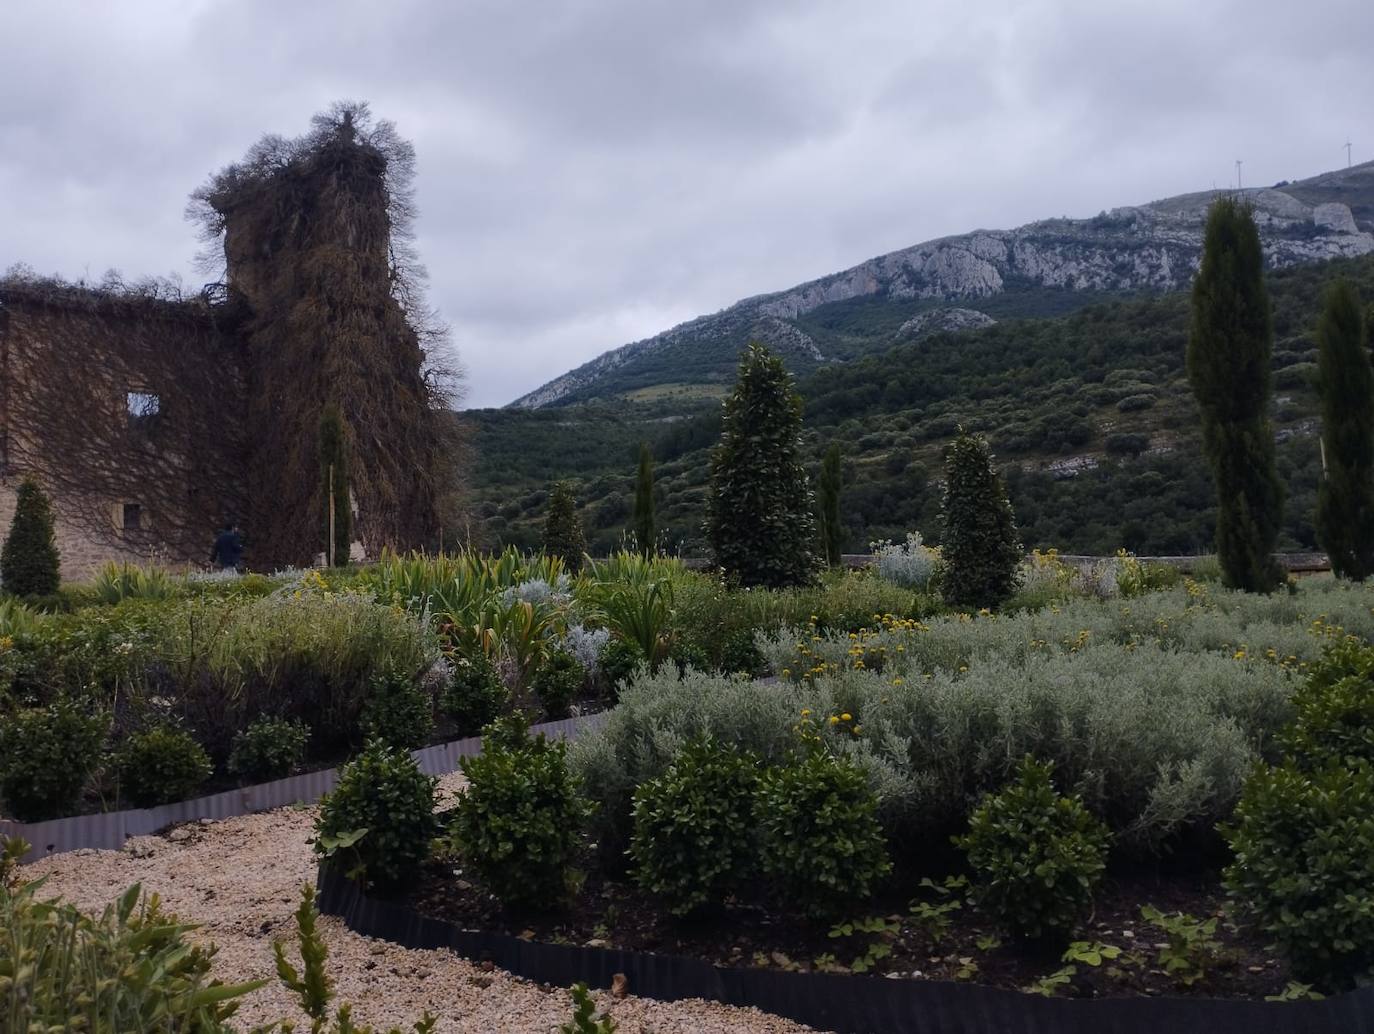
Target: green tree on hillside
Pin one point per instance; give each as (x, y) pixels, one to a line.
(338, 505)
(29, 560)
(1345, 494)
(832, 532)
(760, 511)
(981, 549)
(562, 528)
(1228, 358)
(644, 502)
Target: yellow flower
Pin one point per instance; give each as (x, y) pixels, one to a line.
(806, 712)
(897, 681)
(834, 720)
(846, 717)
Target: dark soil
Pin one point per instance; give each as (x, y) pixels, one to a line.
(613, 914)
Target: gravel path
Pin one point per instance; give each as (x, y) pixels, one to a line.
(241, 879)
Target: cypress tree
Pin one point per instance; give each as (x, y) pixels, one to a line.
(760, 511)
(1228, 364)
(832, 535)
(644, 502)
(981, 549)
(334, 483)
(562, 528)
(1345, 494)
(29, 559)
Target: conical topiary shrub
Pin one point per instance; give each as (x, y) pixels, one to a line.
(29, 560)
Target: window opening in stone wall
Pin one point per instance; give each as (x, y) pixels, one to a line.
(132, 517)
(143, 408)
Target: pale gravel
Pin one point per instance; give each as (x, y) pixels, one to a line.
(241, 880)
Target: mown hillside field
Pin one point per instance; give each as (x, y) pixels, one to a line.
(1089, 412)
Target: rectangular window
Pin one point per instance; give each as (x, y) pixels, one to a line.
(132, 517)
(142, 408)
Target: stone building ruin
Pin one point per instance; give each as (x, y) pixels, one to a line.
(151, 417)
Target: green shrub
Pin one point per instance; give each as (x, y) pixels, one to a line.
(518, 822)
(1335, 709)
(29, 559)
(132, 969)
(398, 711)
(115, 583)
(619, 660)
(1304, 867)
(558, 682)
(270, 748)
(738, 653)
(475, 695)
(160, 766)
(693, 826)
(981, 551)
(820, 842)
(1036, 856)
(47, 756)
(384, 792)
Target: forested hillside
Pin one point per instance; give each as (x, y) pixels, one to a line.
(1089, 413)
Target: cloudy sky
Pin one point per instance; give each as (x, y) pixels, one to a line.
(593, 172)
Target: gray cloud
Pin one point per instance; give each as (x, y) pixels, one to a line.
(593, 171)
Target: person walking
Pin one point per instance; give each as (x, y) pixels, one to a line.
(227, 553)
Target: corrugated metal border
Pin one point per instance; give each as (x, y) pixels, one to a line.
(108, 831)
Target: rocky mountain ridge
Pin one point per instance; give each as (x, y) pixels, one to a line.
(1156, 246)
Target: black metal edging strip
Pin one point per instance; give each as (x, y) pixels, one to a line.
(107, 831)
(846, 1004)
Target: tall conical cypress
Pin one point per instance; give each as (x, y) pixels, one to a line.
(562, 528)
(1345, 494)
(761, 521)
(29, 561)
(832, 535)
(334, 484)
(644, 502)
(1228, 364)
(981, 548)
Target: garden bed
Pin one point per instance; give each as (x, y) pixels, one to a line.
(610, 914)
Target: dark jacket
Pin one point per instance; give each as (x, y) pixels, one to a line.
(228, 551)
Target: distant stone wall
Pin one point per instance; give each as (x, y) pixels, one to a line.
(128, 411)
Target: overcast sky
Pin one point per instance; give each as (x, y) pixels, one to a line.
(591, 173)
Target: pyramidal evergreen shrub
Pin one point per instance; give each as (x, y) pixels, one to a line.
(1345, 494)
(562, 528)
(761, 513)
(981, 549)
(1229, 350)
(644, 502)
(29, 559)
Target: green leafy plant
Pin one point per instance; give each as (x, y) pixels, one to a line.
(398, 710)
(518, 821)
(131, 969)
(562, 529)
(29, 558)
(1296, 991)
(270, 748)
(1304, 867)
(936, 917)
(161, 765)
(693, 825)
(115, 583)
(1089, 953)
(312, 985)
(558, 682)
(475, 695)
(1036, 856)
(1334, 720)
(47, 756)
(1191, 948)
(619, 660)
(382, 792)
(878, 935)
(584, 1019)
(820, 842)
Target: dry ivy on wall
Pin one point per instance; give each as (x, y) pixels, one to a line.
(316, 241)
(74, 358)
